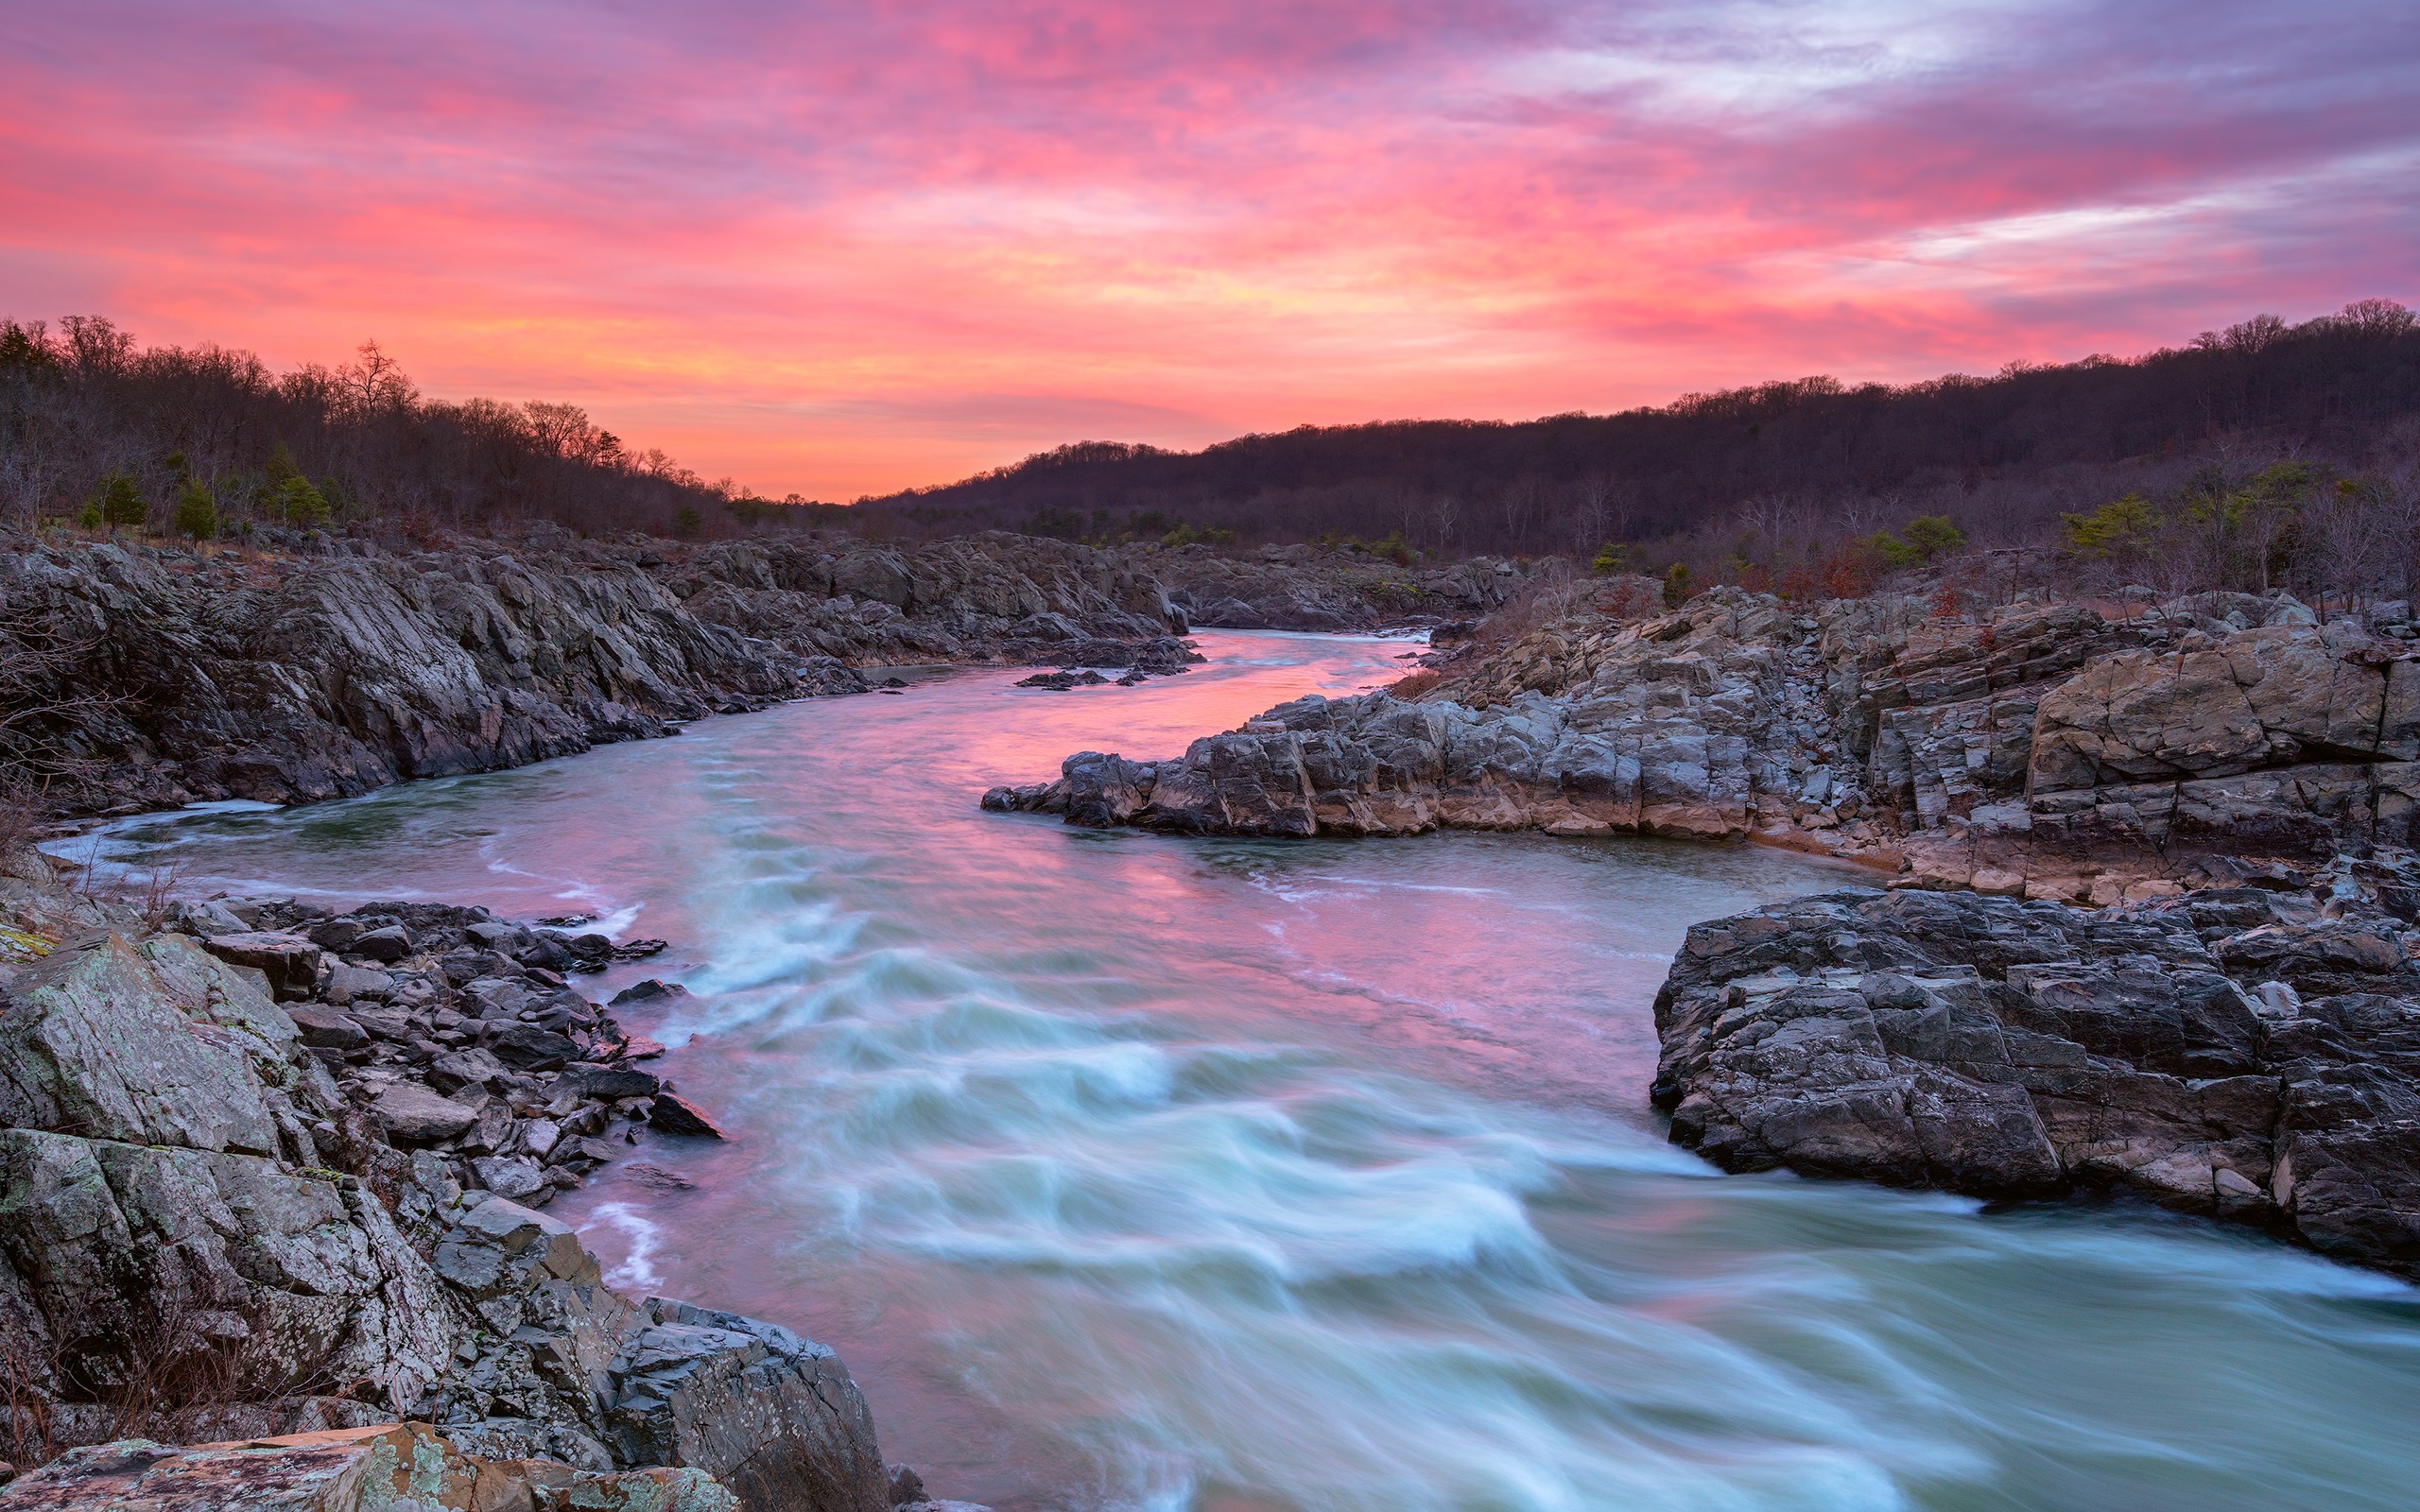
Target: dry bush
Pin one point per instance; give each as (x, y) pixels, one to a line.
(1422, 682)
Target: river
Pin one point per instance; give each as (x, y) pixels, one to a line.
(1244, 1175)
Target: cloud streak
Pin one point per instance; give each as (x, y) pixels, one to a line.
(841, 250)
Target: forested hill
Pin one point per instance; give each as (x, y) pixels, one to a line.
(2335, 387)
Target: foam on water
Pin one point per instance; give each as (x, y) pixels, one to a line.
(1136, 1173)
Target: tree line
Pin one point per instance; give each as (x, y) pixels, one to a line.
(99, 430)
(2005, 456)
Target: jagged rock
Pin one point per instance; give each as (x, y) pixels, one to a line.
(325, 1028)
(458, 1069)
(609, 1083)
(599, 1380)
(2008, 1048)
(650, 990)
(360, 1470)
(153, 1043)
(2040, 751)
(675, 1114)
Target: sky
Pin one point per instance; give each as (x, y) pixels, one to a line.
(841, 250)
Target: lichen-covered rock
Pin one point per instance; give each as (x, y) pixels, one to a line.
(154, 1043)
(2231, 1055)
(362, 1470)
(134, 1255)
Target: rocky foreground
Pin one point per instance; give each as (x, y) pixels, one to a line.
(271, 1172)
(144, 677)
(2191, 978)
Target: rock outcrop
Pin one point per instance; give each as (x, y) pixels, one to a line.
(1301, 588)
(2233, 1054)
(168, 678)
(273, 1171)
(356, 1470)
(2036, 749)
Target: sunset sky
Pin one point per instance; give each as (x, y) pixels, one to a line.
(842, 249)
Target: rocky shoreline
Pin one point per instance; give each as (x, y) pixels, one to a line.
(143, 677)
(267, 1172)
(2221, 789)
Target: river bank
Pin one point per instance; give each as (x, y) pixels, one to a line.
(268, 1170)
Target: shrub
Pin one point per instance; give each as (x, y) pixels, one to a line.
(1894, 553)
(1610, 559)
(1934, 535)
(1676, 585)
(2126, 529)
(687, 521)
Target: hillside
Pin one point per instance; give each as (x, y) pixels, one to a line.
(2029, 441)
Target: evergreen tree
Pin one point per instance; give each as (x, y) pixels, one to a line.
(119, 503)
(197, 512)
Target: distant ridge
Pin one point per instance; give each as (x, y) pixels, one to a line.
(2334, 385)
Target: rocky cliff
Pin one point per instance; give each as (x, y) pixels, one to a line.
(270, 1171)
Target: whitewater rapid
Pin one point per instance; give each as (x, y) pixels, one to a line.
(1130, 1172)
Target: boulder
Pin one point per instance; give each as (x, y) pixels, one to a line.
(775, 1416)
(324, 1028)
(2007, 1048)
(650, 990)
(412, 1114)
(151, 1044)
(291, 962)
(129, 1253)
(388, 945)
(458, 1069)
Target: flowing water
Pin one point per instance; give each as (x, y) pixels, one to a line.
(1129, 1172)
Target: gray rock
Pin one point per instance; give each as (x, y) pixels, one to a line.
(457, 1069)
(326, 1028)
(291, 962)
(153, 1043)
(390, 945)
(412, 1114)
(511, 1176)
(2008, 1049)
(675, 1114)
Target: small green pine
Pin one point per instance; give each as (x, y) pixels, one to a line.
(197, 512)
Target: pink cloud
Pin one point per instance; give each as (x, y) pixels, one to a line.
(842, 251)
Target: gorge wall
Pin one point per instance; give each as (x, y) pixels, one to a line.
(142, 677)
